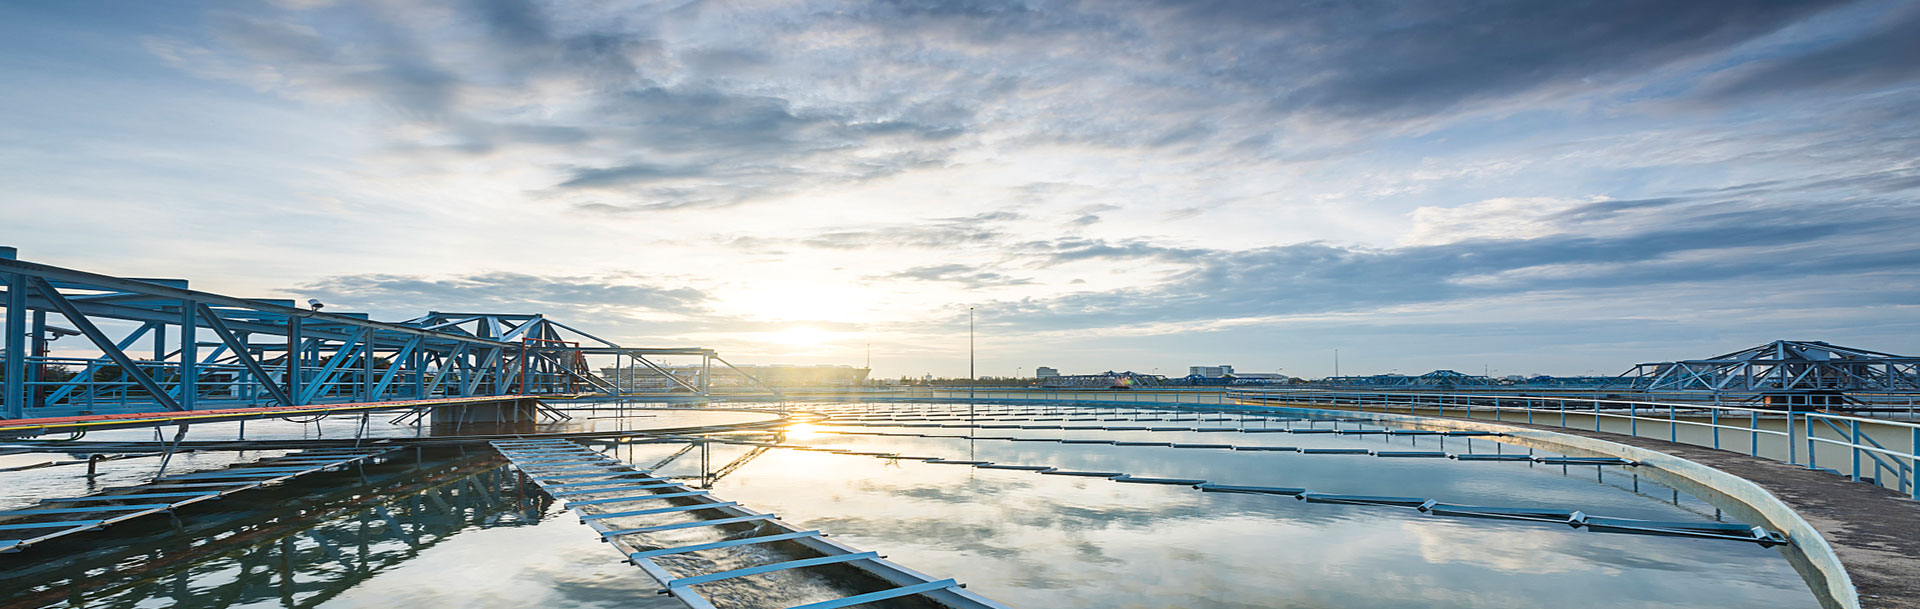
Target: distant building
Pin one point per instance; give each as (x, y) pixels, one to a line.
(1211, 372)
(1045, 372)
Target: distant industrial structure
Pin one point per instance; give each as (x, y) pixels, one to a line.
(1438, 379)
(1786, 371)
(644, 378)
(1104, 380)
(1132, 380)
(1210, 371)
(1045, 372)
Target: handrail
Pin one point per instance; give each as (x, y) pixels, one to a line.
(1799, 432)
(1799, 424)
(1583, 400)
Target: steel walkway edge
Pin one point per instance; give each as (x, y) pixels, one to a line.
(82, 514)
(630, 485)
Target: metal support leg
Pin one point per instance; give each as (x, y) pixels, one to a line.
(171, 448)
(366, 368)
(296, 362)
(189, 354)
(15, 396)
(37, 347)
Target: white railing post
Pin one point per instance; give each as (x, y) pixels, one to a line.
(1793, 444)
(1854, 427)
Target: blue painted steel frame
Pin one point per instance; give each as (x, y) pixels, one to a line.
(312, 357)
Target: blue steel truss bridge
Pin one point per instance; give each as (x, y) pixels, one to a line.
(86, 350)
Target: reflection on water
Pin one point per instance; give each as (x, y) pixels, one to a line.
(1051, 541)
(454, 529)
(450, 530)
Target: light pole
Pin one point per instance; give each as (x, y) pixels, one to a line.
(970, 377)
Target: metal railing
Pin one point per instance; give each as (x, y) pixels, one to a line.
(73, 384)
(1799, 437)
(1797, 434)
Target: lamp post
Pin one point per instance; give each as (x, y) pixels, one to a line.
(970, 376)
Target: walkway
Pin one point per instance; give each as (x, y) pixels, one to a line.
(83, 423)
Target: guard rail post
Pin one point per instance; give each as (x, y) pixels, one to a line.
(1854, 428)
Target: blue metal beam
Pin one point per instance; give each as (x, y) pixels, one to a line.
(327, 372)
(241, 352)
(105, 345)
(189, 354)
(95, 365)
(394, 367)
(296, 356)
(16, 344)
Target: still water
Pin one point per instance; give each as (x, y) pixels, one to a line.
(457, 528)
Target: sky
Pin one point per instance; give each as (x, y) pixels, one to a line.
(1487, 186)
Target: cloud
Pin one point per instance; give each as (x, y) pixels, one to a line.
(648, 124)
(939, 233)
(1397, 60)
(1654, 246)
(1882, 57)
(956, 273)
(1193, 164)
(1504, 218)
(566, 298)
(663, 107)
(1074, 250)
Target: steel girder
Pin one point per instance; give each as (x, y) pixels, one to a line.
(1783, 366)
(215, 351)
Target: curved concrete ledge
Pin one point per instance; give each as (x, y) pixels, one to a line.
(1809, 551)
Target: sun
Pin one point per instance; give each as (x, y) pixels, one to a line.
(802, 431)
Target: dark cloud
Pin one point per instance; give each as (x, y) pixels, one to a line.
(1609, 208)
(1883, 57)
(641, 97)
(1395, 59)
(514, 23)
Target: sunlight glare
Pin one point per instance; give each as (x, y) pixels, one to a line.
(801, 336)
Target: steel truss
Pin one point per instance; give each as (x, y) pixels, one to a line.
(1783, 366)
(163, 346)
